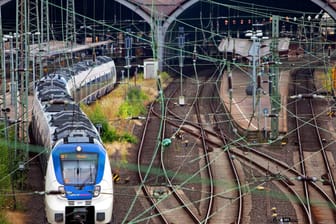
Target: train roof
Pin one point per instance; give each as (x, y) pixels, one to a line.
(69, 118)
(57, 107)
(53, 94)
(64, 117)
(48, 84)
(82, 66)
(69, 128)
(104, 59)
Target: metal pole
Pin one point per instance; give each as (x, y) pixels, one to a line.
(4, 84)
(265, 125)
(128, 67)
(3, 63)
(135, 75)
(34, 74)
(40, 56)
(254, 88)
(181, 46)
(13, 86)
(15, 97)
(128, 46)
(230, 84)
(122, 74)
(181, 77)
(275, 97)
(122, 78)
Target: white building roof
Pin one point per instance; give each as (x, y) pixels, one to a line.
(242, 47)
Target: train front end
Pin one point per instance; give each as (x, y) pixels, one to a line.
(79, 187)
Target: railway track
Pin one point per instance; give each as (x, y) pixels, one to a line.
(146, 164)
(228, 159)
(219, 193)
(171, 205)
(312, 156)
(209, 167)
(205, 211)
(179, 198)
(274, 170)
(169, 194)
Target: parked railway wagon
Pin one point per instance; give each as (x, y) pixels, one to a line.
(78, 177)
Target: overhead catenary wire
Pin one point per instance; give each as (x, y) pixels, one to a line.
(207, 32)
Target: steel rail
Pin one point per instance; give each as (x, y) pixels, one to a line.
(232, 165)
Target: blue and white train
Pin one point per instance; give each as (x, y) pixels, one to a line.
(78, 177)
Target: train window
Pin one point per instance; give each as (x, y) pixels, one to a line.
(79, 168)
(104, 77)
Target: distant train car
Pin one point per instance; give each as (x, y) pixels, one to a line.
(78, 177)
(89, 80)
(328, 27)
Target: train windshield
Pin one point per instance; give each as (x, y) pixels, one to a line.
(79, 168)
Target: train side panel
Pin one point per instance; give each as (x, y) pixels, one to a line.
(78, 177)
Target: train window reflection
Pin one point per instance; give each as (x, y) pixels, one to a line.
(79, 168)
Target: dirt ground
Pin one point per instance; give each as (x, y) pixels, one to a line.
(16, 217)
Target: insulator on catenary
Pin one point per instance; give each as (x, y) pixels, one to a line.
(259, 82)
(230, 82)
(194, 56)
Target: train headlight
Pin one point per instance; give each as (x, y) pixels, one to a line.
(62, 191)
(96, 191)
(78, 148)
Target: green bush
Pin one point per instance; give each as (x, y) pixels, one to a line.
(108, 133)
(128, 138)
(164, 76)
(328, 84)
(3, 218)
(97, 116)
(4, 173)
(134, 104)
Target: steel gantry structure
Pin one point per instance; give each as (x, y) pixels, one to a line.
(32, 24)
(32, 29)
(165, 12)
(159, 14)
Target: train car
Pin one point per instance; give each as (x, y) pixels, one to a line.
(89, 80)
(78, 177)
(328, 27)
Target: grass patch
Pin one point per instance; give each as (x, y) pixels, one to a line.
(3, 219)
(5, 183)
(125, 101)
(134, 104)
(325, 79)
(108, 133)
